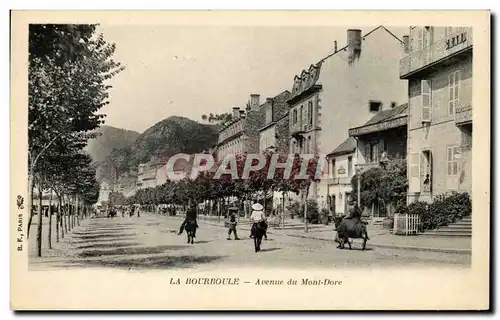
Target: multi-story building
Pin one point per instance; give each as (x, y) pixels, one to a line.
(439, 73)
(382, 139)
(274, 133)
(341, 162)
(146, 173)
(344, 90)
(241, 134)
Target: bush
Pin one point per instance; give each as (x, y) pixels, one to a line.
(443, 211)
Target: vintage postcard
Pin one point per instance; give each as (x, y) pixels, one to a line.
(225, 160)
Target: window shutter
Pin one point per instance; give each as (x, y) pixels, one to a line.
(451, 100)
(426, 100)
(414, 172)
(456, 86)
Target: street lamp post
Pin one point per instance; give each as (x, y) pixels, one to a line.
(358, 174)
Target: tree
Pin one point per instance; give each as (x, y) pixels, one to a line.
(68, 70)
(387, 186)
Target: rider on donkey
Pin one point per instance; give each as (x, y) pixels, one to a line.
(257, 216)
(190, 217)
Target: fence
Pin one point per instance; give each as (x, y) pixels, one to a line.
(406, 224)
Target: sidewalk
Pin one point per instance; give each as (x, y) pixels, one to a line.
(378, 237)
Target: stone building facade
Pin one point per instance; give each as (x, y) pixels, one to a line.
(242, 133)
(275, 131)
(439, 70)
(344, 90)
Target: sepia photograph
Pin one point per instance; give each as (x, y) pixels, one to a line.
(189, 148)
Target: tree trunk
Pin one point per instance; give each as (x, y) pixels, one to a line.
(30, 202)
(305, 209)
(58, 216)
(77, 211)
(40, 221)
(265, 203)
(65, 217)
(50, 220)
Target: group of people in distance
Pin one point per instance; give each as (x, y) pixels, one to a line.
(257, 216)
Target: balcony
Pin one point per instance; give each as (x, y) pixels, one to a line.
(297, 129)
(452, 45)
(463, 114)
(367, 166)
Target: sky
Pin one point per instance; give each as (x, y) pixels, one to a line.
(195, 70)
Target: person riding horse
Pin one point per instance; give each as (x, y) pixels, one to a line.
(257, 217)
(190, 218)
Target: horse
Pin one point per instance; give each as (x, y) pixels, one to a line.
(352, 228)
(259, 232)
(190, 228)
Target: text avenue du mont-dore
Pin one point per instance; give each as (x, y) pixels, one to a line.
(258, 282)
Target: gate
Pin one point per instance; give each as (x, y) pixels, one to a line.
(406, 224)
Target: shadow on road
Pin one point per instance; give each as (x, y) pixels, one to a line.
(111, 236)
(128, 251)
(104, 239)
(270, 249)
(156, 262)
(202, 241)
(108, 245)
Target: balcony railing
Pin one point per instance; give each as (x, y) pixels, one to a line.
(437, 51)
(463, 114)
(341, 180)
(368, 166)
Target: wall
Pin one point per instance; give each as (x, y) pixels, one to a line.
(393, 141)
(442, 131)
(267, 138)
(282, 133)
(341, 180)
(347, 89)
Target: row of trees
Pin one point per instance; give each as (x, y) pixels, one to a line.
(69, 66)
(220, 118)
(209, 187)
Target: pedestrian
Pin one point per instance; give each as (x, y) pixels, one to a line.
(256, 217)
(232, 227)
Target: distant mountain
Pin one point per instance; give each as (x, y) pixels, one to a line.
(110, 138)
(171, 136)
(118, 152)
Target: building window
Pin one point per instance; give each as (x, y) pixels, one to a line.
(334, 172)
(301, 114)
(349, 166)
(294, 116)
(448, 31)
(371, 151)
(426, 100)
(375, 106)
(310, 113)
(453, 88)
(452, 155)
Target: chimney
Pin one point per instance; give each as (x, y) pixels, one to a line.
(406, 43)
(242, 114)
(254, 101)
(354, 44)
(335, 46)
(236, 113)
(269, 101)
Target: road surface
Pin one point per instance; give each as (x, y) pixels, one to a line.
(151, 242)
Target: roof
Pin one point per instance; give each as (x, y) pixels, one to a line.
(348, 146)
(384, 120)
(307, 79)
(389, 114)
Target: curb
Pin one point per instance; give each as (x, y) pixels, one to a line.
(378, 245)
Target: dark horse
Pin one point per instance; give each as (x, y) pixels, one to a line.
(190, 228)
(351, 228)
(259, 232)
